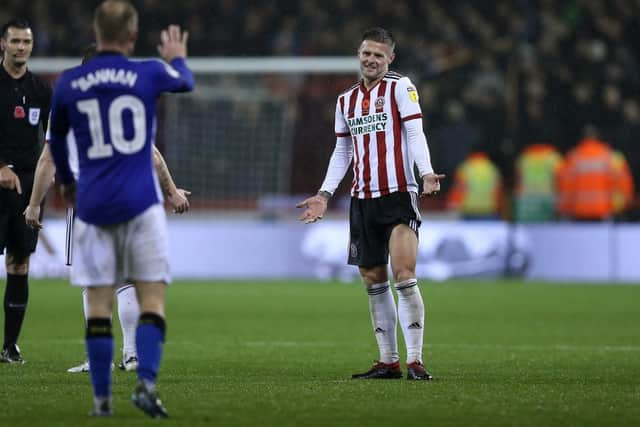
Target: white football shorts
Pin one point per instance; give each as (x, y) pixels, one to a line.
(136, 250)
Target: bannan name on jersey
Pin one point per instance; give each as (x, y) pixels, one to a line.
(368, 124)
(105, 75)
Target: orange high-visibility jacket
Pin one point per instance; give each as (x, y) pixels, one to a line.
(591, 180)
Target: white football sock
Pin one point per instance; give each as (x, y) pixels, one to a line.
(85, 305)
(384, 321)
(128, 313)
(411, 316)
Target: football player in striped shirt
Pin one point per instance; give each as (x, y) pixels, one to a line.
(378, 126)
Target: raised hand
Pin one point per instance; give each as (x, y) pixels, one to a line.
(173, 43)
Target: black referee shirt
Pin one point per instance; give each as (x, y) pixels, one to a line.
(24, 113)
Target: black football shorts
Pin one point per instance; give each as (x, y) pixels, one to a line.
(15, 236)
(371, 222)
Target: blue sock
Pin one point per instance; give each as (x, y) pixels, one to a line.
(100, 352)
(149, 339)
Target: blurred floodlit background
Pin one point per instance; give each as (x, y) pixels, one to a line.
(494, 78)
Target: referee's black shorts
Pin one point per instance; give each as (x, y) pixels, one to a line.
(16, 237)
(371, 222)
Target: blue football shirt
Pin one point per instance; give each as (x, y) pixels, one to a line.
(110, 104)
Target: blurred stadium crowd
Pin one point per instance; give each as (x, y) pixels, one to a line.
(494, 76)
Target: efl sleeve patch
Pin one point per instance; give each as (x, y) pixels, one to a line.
(413, 94)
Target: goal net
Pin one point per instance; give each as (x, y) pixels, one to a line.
(255, 131)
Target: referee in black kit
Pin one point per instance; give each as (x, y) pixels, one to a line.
(24, 110)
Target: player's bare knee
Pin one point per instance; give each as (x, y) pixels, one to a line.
(151, 297)
(100, 301)
(403, 274)
(152, 306)
(99, 308)
(151, 303)
(17, 264)
(371, 276)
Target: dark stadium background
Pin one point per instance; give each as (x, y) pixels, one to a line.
(521, 70)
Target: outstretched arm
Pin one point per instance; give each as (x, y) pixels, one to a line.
(173, 49)
(419, 149)
(177, 197)
(316, 206)
(42, 180)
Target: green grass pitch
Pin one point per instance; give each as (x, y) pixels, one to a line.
(276, 353)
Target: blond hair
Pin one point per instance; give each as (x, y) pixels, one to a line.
(115, 20)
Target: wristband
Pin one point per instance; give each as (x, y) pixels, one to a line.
(324, 194)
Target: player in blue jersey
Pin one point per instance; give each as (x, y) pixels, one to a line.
(120, 231)
(128, 309)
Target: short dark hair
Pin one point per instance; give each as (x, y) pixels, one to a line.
(19, 23)
(112, 18)
(380, 35)
(89, 52)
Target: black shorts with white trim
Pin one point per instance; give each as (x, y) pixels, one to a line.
(371, 222)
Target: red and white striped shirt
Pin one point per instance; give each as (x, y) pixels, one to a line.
(382, 161)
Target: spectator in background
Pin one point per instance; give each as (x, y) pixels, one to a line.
(573, 54)
(610, 114)
(595, 182)
(535, 197)
(456, 127)
(477, 188)
(628, 136)
(583, 110)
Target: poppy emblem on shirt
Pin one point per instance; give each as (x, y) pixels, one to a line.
(18, 112)
(365, 104)
(380, 102)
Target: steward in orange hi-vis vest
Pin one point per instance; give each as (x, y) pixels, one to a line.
(593, 183)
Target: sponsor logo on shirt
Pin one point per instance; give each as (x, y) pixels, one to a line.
(367, 124)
